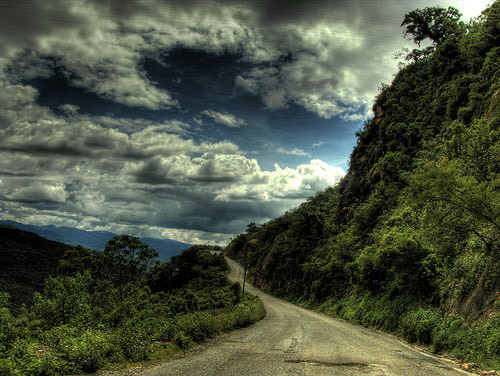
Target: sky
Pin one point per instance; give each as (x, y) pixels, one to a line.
(186, 119)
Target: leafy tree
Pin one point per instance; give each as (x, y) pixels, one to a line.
(434, 23)
(129, 259)
(251, 228)
(161, 277)
(79, 259)
(197, 264)
(66, 300)
(461, 200)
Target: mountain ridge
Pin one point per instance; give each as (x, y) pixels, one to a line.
(166, 248)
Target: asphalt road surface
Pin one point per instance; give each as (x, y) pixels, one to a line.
(292, 340)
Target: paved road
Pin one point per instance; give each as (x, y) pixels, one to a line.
(291, 340)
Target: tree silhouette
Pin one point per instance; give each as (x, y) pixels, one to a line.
(129, 259)
(434, 23)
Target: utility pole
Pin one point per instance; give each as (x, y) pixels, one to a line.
(244, 279)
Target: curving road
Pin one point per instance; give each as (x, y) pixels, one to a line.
(292, 340)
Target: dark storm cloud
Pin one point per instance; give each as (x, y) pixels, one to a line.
(84, 137)
(88, 45)
(106, 58)
(201, 212)
(22, 22)
(38, 193)
(278, 12)
(153, 172)
(29, 64)
(269, 12)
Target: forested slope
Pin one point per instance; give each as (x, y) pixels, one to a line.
(409, 240)
(26, 260)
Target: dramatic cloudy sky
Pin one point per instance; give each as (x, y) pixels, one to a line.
(185, 119)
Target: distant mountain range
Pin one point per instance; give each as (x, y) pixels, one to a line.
(166, 248)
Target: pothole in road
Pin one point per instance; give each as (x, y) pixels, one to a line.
(327, 364)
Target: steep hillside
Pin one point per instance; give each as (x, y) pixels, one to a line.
(26, 260)
(410, 238)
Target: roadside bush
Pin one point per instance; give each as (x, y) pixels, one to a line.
(493, 344)
(57, 338)
(236, 290)
(182, 340)
(446, 333)
(166, 330)
(7, 325)
(30, 358)
(7, 368)
(418, 325)
(424, 324)
(198, 326)
(133, 345)
(86, 352)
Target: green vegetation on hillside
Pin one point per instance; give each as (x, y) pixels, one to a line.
(119, 305)
(409, 240)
